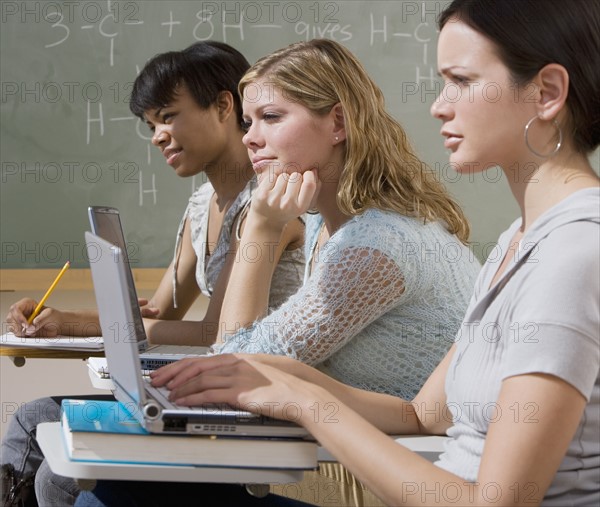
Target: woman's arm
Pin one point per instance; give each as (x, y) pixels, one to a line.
(343, 296)
(183, 332)
(255, 258)
(519, 461)
(168, 330)
(338, 301)
(388, 413)
(269, 229)
(167, 327)
(51, 322)
(187, 288)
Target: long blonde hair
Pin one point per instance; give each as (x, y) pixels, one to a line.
(381, 169)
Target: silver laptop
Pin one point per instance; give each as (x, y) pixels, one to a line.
(105, 222)
(148, 404)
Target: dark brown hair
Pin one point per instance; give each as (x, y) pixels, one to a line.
(530, 34)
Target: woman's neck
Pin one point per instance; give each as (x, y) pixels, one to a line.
(333, 221)
(326, 203)
(328, 207)
(552, 181)
(231, 173)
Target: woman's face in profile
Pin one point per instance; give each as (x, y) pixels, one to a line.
(283, 135)
(483, 112)
(189, 136)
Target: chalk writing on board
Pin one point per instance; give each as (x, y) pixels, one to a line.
(243, 20)
(150, 190)
(171, 23)
(107, 25)
(82, 56)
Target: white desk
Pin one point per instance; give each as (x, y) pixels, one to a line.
(50, 439)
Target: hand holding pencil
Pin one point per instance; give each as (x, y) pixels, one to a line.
(48, 292)
(22, 313)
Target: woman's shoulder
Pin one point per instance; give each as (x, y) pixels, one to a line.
(199, 203)
(391, 226)
(394, 218)
(568, 252)
(407, 239)
(202, 194)
(376, 230)
(376, 216)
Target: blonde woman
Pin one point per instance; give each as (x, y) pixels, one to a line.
(388, 274)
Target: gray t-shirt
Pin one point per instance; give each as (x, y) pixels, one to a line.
(542, 316)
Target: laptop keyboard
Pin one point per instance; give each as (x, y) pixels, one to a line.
(161, 394)
(178, 350)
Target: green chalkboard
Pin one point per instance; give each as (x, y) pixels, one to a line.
(68, 139)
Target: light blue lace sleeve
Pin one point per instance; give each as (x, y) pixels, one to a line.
(356, 279)
(381, 308)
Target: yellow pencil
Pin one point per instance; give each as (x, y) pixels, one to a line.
(48, 292)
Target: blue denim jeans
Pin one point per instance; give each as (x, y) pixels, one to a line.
(21, 450)
(157, 494)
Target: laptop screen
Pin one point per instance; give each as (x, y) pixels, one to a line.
(106, 223)
(116, 310)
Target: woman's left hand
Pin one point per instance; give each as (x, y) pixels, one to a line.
(148, 312)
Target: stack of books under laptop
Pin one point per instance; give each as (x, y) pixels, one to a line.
(106, 431)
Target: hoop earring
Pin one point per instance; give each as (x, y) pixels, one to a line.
(558, 144)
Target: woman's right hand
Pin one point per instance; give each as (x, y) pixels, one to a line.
(46, 324)
(280, 198)
(238, 380)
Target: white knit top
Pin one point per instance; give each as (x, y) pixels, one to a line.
(381, 307)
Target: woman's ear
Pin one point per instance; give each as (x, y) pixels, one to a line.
(339, 124)
(225, 105)
(553, 82)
